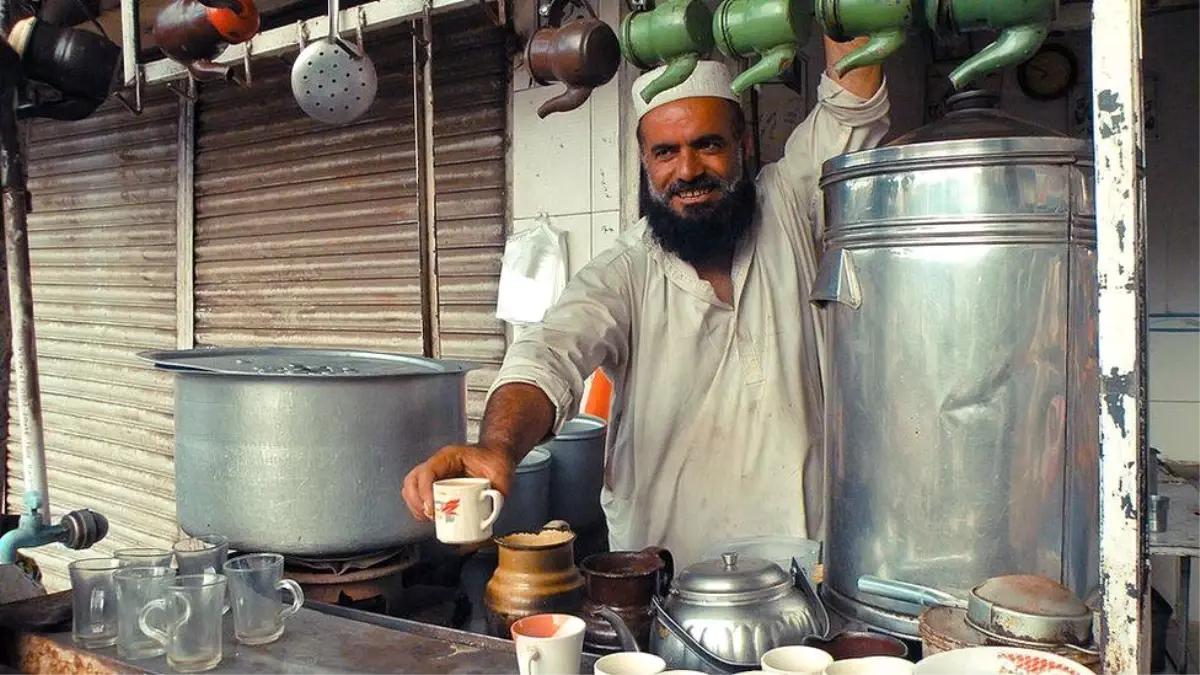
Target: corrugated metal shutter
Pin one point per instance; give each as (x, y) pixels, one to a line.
(470, 99)
(307, 234)
(102, 249)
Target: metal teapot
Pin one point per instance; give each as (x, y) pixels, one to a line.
(194, 32)
(887, 24)
(1023, 26)
(773, 29)
(677, 33)
(721, 616)
(583, 55)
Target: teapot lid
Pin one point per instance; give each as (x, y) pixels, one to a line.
(732, 574)
(974, 114)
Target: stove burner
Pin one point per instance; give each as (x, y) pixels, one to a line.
(371, 582)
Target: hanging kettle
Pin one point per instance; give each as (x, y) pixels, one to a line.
(81, 66)
(194, 32)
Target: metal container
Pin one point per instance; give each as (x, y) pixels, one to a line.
(721, 616)
(577, 472)
(526, 507)
(303, 451)
(961, 382)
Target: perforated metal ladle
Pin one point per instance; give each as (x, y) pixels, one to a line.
(333, 81)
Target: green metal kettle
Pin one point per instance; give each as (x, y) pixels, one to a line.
(676, 32)
(886, 22)
(773, 29)
(1023, 26)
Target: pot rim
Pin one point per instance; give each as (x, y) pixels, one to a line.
(584, 566)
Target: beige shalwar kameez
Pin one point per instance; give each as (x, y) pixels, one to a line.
(716, 424)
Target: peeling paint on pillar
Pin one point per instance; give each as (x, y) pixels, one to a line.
(1120, 256)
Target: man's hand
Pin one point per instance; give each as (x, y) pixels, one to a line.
(455, 461)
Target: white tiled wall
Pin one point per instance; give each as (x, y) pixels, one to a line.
(568, 165)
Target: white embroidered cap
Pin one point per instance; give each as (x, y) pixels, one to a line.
(710, 78)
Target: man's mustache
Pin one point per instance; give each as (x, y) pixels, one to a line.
(701, 182)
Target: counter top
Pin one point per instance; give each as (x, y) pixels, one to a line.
(320, 638)
(1182, 536)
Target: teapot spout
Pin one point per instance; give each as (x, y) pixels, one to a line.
(205, 70)
(772, 64)
(1014, 45)
(879, 47)
(677, 71)
(570, 99)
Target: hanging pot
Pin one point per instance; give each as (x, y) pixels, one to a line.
(194, 32)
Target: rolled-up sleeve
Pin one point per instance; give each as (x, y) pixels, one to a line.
(840, 122)
(588, 328)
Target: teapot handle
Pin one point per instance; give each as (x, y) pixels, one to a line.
(667, 575)
(821, 615)
(711, 660)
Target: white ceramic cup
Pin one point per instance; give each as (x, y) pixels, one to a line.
(459, 512)
(796, 660)
(878, 665)
(887, 665)
(629, 663)
(548, 644)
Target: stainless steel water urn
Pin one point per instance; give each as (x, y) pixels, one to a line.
(959, 279)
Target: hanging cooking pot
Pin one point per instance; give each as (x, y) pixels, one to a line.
(722, 615)
(1017, 609)
(194, 32)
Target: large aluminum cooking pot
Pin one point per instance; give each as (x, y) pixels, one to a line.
(959, 277)
(303, 451)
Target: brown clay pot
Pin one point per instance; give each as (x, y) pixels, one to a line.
(535, 574)
(583, 55)
(194, 32)
(624, 581)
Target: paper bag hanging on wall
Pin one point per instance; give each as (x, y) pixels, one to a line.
(533, 273)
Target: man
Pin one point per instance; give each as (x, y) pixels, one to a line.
(699, 315)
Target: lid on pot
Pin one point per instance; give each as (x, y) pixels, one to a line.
(972, 129)
(298, 362)
(1031, 608)
(974, 115)
(731, 574)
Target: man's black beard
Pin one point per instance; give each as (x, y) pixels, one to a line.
(709, 233)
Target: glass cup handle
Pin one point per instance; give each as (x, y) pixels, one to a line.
(497, 500)
(96, 602)
(297, 597)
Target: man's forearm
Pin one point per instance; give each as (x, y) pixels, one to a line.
(518, 417)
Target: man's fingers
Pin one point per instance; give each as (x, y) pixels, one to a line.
(411, 498)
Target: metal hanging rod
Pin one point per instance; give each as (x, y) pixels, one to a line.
(375, 16)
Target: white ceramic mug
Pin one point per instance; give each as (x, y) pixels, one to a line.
(548, 644)
(796, 660)
(458, 508)
(629, 663)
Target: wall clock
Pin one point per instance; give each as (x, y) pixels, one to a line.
(1048, 74)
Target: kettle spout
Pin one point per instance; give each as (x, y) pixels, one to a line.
(624, 635)
(1014, 45)
(879, 47)
(205, 70)
(772, 64)
(570, 99)
(680, 69)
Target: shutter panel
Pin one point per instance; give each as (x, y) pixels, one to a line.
(470, 112)
(307, 234)
(102, 251)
